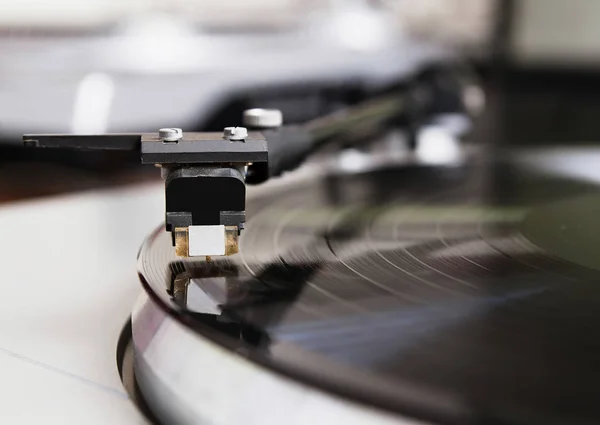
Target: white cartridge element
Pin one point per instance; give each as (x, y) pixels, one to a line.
(206, 240)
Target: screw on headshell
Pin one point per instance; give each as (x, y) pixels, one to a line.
(235, 133)
(170, 134)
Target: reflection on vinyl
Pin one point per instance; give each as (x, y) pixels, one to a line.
(464, 295)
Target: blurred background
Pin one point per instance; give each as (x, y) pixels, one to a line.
(100, 66)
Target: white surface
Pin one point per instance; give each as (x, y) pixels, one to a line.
(68, 284)
(206, 240)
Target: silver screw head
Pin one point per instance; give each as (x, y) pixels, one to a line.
(170, 134)
(235, 133)
(263, 118)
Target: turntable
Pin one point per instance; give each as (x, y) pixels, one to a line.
(362, 287)
(459, 294)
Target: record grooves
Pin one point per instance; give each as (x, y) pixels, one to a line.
(417, 290)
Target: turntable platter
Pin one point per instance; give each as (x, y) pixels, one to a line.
(415, 291)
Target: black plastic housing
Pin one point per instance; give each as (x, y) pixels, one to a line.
(205, 195)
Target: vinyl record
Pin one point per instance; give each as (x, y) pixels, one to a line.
(465, 294)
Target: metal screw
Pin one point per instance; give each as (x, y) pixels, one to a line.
(170, 134)
(235, 133)
(263, 118)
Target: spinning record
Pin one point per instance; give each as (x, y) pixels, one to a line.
(465, 294)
